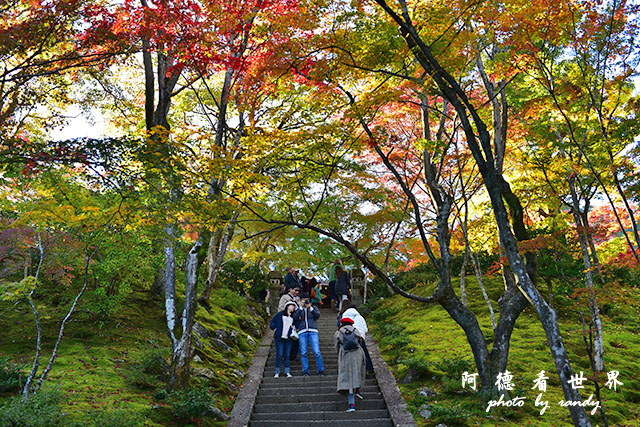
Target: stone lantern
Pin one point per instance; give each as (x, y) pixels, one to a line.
(357, 286)
(275, 286)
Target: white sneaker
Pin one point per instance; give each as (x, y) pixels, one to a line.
(289, 375)
(359, 396)
(276, 376)
(351, 410)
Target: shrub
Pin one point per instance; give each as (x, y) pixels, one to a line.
(422, 273)
(419, 364)
(380, 315)
(244, 279)
(454, 366)
(11, 376)
(104, 305)
(377, 289)
(229, 300)
(453, 369)
(394, 336)
(187, 405)
(41, 410)
(148, 369)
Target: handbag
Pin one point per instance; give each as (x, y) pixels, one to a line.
(294, 333)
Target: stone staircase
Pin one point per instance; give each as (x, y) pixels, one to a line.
(313, 400)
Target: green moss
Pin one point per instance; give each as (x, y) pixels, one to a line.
(91, 369)
(435, 337)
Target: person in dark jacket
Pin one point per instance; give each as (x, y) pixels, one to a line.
(292, 280)
(343, 286)
(282, 323)
(332, 282)
(288, 280)
(305, 321)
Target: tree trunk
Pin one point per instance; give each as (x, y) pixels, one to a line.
(549, 290)
(170, 284)
(158, 281)
(54, 353)
(179, 372)
(546, 314)
(476, 269)
(463, 273)
(215, 256)
(510, 310)
(26, 390)
(481, 149)
(598, 349)
(592, 246)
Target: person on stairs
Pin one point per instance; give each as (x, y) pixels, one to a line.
(343, 286)
(351, 368)
(332, 283)
(282, 322)
(292, 295)
(305, 319)
(315, 295)
(359, 322)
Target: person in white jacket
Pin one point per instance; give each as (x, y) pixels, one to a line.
(349, 311)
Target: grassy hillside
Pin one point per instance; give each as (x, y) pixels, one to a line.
(112, 374)
(424, 341)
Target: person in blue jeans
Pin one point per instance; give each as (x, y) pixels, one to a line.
(282, 322)
(305, 320)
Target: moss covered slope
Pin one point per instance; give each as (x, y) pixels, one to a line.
(112, 374)
(424, 342)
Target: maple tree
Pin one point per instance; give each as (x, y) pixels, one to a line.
(242, 119)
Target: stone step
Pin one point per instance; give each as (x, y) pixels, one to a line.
(329, 348)
(332, 355)
(325, 355)
(296, 371)
(284, 390)
(329, 357)
(303, 401)
(363, 414)
(311, 380)
(304, 397)
(298, 364)
(316, 406)
(373, 422)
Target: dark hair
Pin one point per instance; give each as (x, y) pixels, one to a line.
(346, 304)
(284, 310)
(338, 271)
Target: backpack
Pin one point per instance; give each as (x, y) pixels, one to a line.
(350, 340)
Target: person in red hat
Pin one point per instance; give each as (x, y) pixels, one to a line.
(351, 362)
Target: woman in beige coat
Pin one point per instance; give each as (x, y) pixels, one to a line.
(351, 363)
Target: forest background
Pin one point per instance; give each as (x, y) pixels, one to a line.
(422, 141)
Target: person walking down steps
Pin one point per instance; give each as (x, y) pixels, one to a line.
(305, 322)
(351, 365)
(282, 322)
